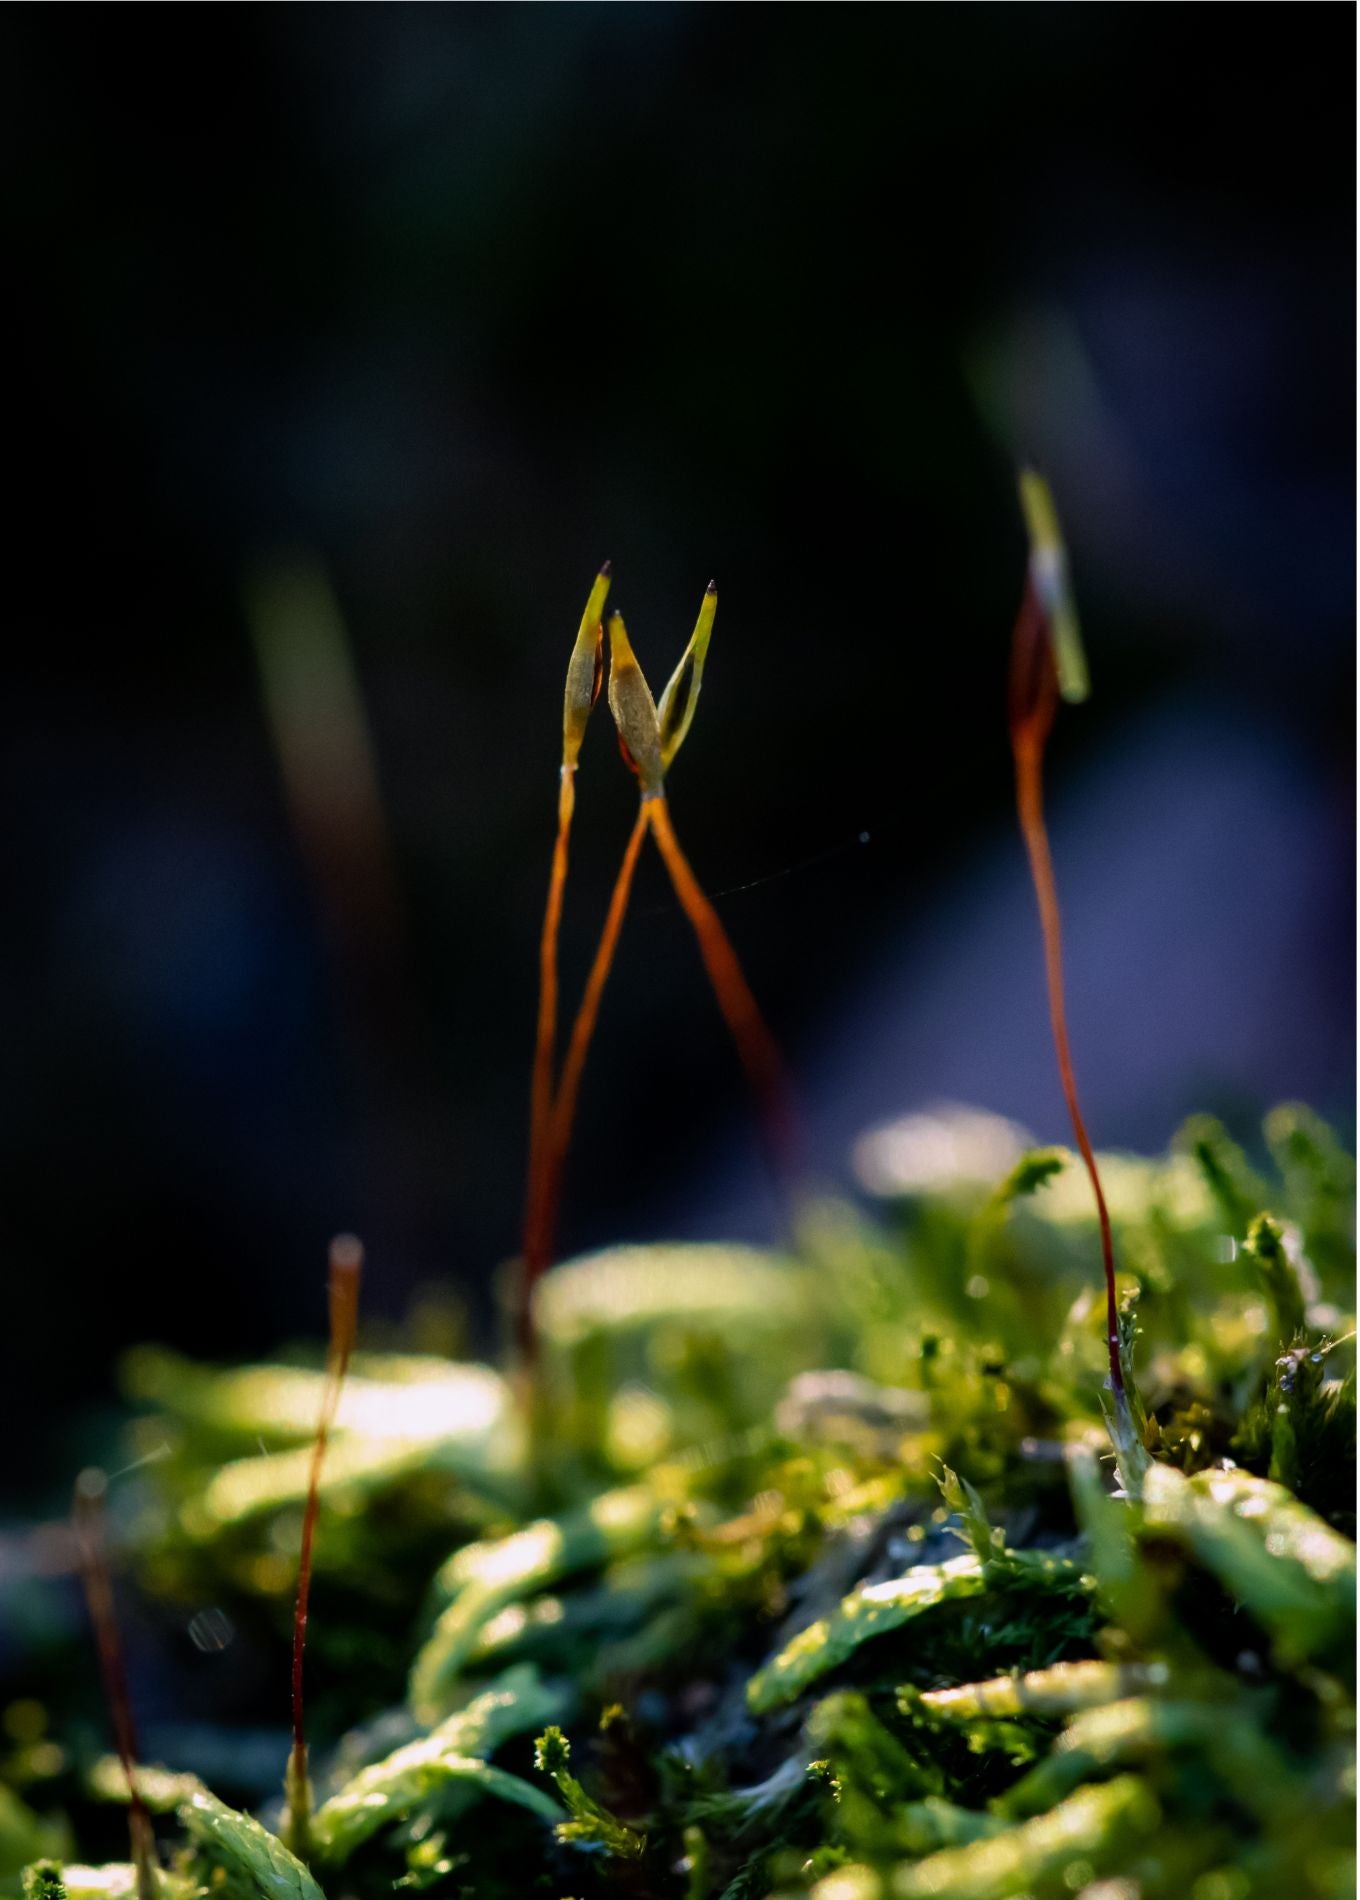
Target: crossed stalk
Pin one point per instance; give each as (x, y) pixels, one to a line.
(650, 735)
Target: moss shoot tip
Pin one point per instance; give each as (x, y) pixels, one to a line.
(552, 1752)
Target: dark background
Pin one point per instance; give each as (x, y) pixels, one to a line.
(435, 307)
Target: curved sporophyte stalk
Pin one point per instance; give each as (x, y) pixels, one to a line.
(1047, 665)
(345, 1271)
(584, 674)
(755, 1045)
(92, 1546)
(649, 738)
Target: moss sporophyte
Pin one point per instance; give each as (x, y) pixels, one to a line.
(1047, 664)
(649, 736)
(803, 1577)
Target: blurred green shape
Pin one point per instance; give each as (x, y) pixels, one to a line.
(1061, 1690)
(393, 1395)
(1052, 584)
(482, 1579)
(117, 1880)
(1099, 1826)
(1129, 1734)
(1236, 1187)
(1276, 1557)
(623, 1289)
(161, 1789)
(24, 1837)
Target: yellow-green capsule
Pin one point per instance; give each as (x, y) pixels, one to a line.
(584, 671)
(1048, 571)
(676, 709)
(634, 710)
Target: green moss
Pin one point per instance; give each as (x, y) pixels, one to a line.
(834, 1542)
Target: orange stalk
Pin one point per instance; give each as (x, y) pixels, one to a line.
(1033, 704)
(541, 1091)
(88, 1513)
(584, 677)
(755, 1045)
(542, 1242)
(346, 1267)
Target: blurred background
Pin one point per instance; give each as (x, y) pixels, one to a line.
(345, 342)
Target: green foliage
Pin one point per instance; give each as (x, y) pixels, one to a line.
(1235, 1186)
(386, 1791)
(836, 1541)
(160, 1790)
(483, 1579)
(1096, 1829)
(879, 1608)
(238, 1857)
(1277, 1559)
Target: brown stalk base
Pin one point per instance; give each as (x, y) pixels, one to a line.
(346, 1266)
(91, 1544)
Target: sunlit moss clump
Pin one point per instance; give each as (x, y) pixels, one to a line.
(819, 1579)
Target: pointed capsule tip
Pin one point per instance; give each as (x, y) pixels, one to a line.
(712, 588)
(606, 569)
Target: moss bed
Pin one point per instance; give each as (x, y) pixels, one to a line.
(817, 1575)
